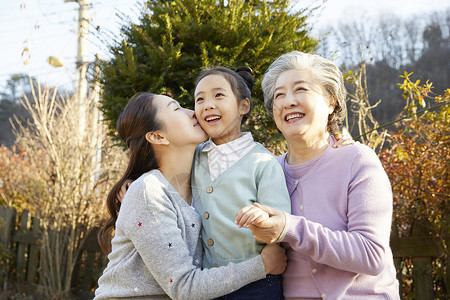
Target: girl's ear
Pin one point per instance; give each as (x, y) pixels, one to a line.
(156, 138)
(244, 106)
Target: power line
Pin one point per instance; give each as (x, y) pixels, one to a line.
(35, 27)
(39, 36)
(32, 39)
(19, 18)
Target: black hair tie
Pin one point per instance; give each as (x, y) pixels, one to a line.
(247, 74)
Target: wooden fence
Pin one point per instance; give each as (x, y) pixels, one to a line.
(418, 251)
(20, 235)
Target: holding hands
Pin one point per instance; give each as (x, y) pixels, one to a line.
(265, 223)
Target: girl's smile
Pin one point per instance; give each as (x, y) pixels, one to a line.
(213, 119)
(217, 109)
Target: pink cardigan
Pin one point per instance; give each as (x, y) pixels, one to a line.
(338, 234)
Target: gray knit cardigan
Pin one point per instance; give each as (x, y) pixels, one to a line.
(157, 253)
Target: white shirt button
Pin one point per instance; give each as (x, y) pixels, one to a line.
(314, 271)
(296, 181)
(323, 295)
(301, 206)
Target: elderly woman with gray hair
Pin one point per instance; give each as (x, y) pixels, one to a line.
(337, 237)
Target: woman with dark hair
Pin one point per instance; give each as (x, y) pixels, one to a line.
(156, 250)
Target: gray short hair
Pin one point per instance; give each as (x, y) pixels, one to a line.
(325, 73)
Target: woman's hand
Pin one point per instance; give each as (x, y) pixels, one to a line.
(264, 229)
(275, 260)
(123, 190)
(343, 140)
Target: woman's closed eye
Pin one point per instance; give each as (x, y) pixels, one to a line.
(278, 95)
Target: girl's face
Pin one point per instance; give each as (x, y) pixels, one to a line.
(179, 124)
(300, 109)
(218, 110)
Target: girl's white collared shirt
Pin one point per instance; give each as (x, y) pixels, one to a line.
(222, 157)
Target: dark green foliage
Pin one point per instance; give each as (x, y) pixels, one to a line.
(174, 40)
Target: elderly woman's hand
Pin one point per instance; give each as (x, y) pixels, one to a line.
(343, 140)
(267, 223)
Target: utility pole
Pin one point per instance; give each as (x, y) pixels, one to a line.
(94, 96)
(82, 63)
(85, 105)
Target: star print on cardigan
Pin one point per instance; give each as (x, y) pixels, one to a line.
(193, 225)
(170, 245)
(171, 281)
(139, 224)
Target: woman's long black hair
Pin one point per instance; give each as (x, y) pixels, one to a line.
(137, 118)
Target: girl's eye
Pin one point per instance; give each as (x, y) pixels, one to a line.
(199, 99)
(219, 95)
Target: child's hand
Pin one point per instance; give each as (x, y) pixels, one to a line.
(250, 215)
(123, 190)
(275, 260)
(343, 140)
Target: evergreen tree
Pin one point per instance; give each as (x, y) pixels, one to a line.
(174, 40)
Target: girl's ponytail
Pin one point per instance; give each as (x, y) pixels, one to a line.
(247, 74)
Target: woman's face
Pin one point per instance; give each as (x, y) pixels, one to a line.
(300, 109)
(178, 124)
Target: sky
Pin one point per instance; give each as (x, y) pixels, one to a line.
(33, 30)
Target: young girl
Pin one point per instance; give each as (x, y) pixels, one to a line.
(156, 250)
(231, 171)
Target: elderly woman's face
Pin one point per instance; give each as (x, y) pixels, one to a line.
(300, 109)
